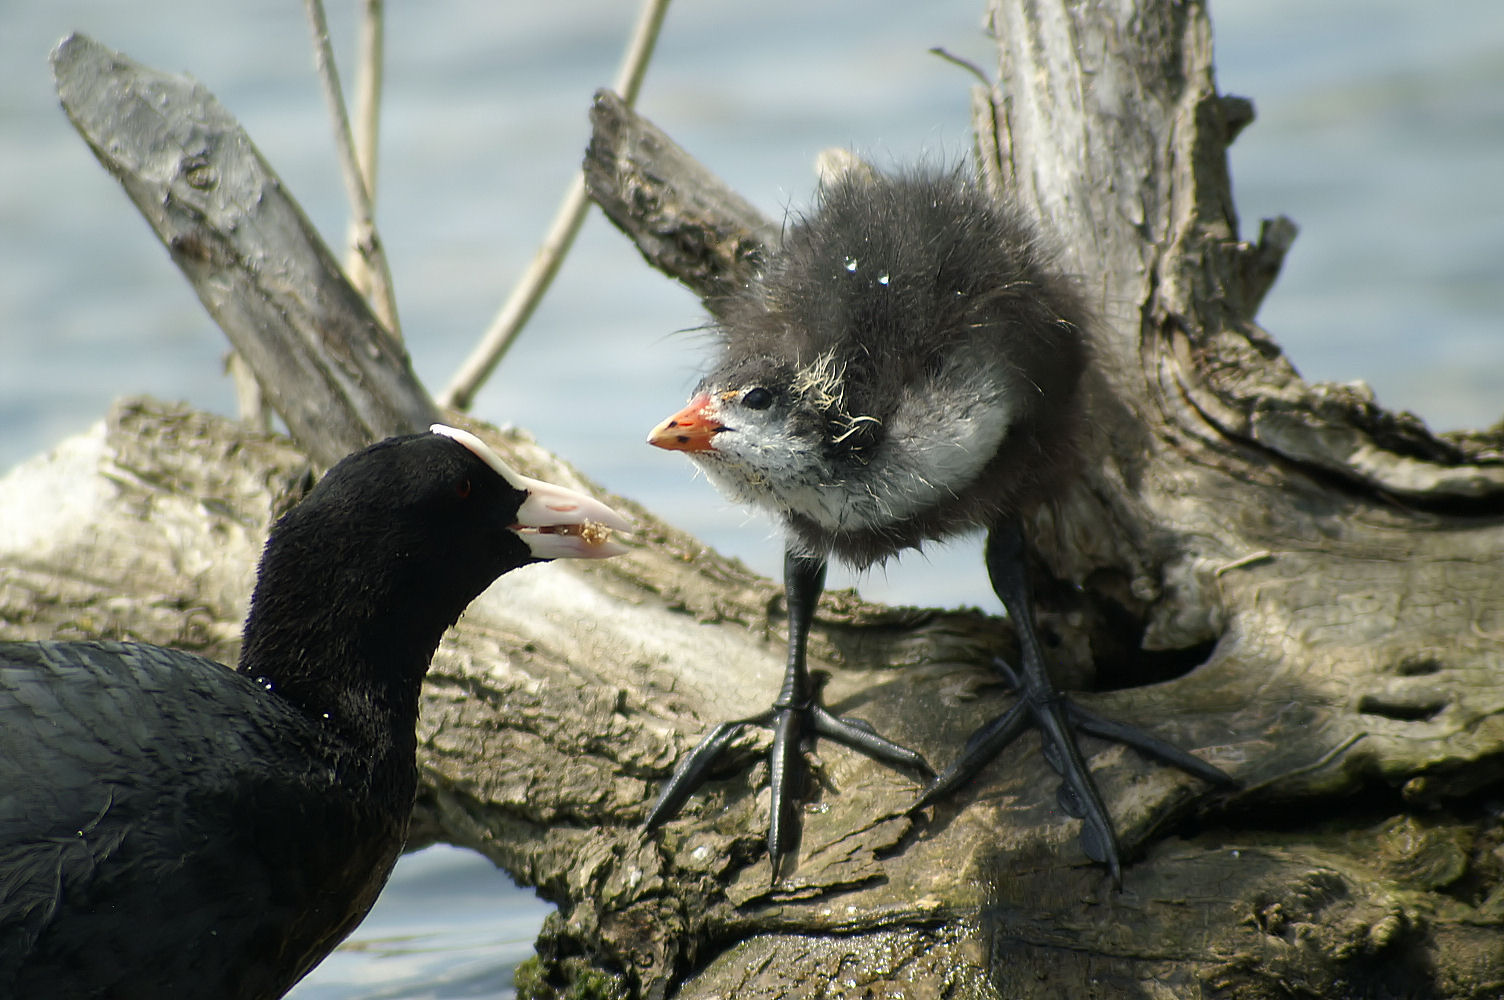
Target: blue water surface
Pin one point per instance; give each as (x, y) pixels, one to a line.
(447, 926)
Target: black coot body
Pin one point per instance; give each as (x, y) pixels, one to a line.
(170, 828)
(908, 366)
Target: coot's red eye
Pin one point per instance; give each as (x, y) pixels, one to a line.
(463, 489)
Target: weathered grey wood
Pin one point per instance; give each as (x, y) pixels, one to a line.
(542, 742)
(1331, 571)
(328, 368)
(684, 219)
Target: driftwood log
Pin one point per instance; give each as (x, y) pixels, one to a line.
(1302, 586)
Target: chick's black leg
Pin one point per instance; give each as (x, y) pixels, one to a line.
(1056, 718)
(796, 718)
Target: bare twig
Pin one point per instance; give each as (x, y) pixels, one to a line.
(251, 403)
(965, 64)
(363, 220)
(529, 291)
(367, 127)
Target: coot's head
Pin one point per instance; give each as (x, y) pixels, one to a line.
(395, 540)
(446, 500)
(905, 366)
(772, 432)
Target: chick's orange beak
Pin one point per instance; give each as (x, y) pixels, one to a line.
(691, 429)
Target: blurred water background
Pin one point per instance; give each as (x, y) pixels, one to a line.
(1380, 131)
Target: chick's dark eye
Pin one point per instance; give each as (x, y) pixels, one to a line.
(462, 488)
(757, 398)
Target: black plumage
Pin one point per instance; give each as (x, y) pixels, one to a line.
(925, 307)
(172, 828)
(908, 366)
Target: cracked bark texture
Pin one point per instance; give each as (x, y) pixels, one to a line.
(1298, 584)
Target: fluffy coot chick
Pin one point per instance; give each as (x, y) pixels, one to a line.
(906, 367)
(172, 828)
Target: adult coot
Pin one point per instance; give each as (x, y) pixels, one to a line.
(906, 367)
(171, 828)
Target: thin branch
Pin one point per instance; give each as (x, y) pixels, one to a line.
(634, 64)
(367, 242)
(369, 73)
(251, 404)
(965, 64)
(368, 82)
(529, 291)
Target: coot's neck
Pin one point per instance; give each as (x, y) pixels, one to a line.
(342, 644)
